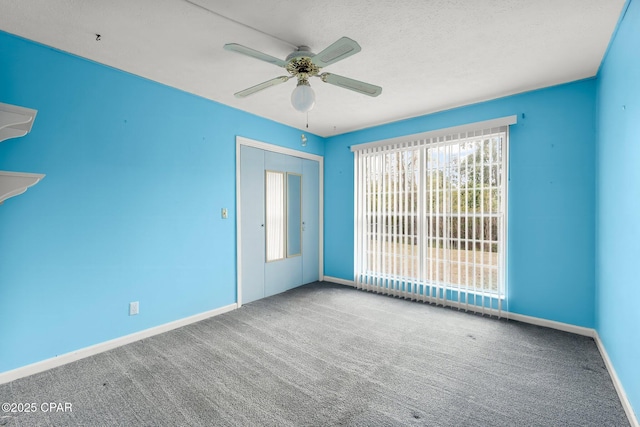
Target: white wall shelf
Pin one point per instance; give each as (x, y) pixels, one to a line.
(15, 122)
(16, 183)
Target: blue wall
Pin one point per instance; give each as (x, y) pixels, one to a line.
(618, 203)
(551, 196)
(137, 174)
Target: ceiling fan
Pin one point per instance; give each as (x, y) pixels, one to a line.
(303, 64)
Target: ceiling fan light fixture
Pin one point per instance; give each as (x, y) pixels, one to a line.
(303, 97)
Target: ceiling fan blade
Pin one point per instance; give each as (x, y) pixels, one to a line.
(261, 86)
(235, 47)
(351, 84)
(343, 48)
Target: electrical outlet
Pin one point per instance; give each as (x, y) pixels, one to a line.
(225, 214)
(134, 308)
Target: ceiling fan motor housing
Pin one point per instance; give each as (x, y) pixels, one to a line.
(299, 64)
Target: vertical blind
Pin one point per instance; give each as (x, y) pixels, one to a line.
(430, 218)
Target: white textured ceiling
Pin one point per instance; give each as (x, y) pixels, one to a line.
(428, 55)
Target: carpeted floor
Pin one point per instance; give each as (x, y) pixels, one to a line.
(324, 355)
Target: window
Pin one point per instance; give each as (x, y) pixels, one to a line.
(430, 219)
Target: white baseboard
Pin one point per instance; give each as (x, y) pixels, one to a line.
(566, 327)
(63, 359)
(339, 281)
(628, 409)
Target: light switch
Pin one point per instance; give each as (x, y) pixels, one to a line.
(225, 214)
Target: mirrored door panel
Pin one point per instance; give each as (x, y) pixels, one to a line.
(294, 214)
(310, 221)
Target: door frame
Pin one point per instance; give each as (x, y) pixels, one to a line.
(240, 141)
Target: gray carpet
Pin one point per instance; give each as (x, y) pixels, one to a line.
(325, 354)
